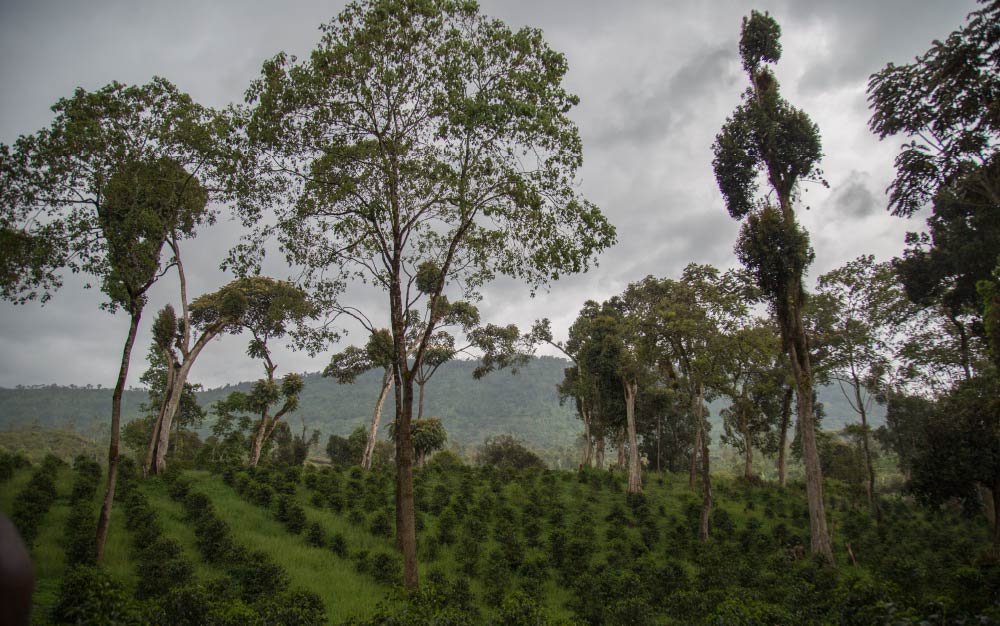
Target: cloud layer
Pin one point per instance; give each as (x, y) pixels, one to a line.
(656, 82)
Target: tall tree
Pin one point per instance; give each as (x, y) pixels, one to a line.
(113, 179)
(768, 137)
(945, 103)
(267, 308)
(576, 383)
(423, 147)
(868, 307)
(961, 448)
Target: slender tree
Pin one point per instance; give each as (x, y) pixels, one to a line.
(753, 383)
(422, 147)
(101, 191)
(868, 307)
(768, 137)
(347, 365)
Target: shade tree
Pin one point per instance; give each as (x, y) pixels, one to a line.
(420, 148)
(868, 308)
(118, 175)
(754, 376)
(347, 365)
(768, 140)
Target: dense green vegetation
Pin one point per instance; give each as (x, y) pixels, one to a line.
(426, 149)
(568, 547)
(524, 404)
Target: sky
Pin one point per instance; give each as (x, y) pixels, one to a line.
(656, 80)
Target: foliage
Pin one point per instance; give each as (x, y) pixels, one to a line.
(766, 137)
(945, 102)
(507, 451)
(33, 502)
(960, 448)
(113, 176)
(89, 595)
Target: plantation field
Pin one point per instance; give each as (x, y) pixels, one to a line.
(293, 545)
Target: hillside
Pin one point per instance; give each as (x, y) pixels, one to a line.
(524, 404)
(496, 546)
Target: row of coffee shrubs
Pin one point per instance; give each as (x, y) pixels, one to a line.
(254, 590)
(274, 490)
(33, 501)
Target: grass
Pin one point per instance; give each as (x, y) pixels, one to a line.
(672, 507)
(344, 592)
(48, 553)
(176, 526)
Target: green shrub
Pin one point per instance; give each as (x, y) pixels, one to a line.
(33, 501)
(386, 568)
(519, 608)
(315, 535)
(382, 524)
(89, 595)
(257, 575)
(291, 608)
(338, 545)
(160, 566)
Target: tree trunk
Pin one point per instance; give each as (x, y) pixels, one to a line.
(173, 403)
(599, 453)
(659, 439)
(258, 440)
(819, 535)
(869, 467)
(695, 449)
(706, 479)
(587, 445)
(180, 379)
(620, 445)
(747, 444)
(147, 465)
(366, 459)
(406, 519)
(634, 470)
(786, 411)
(995, 493)
(104, 521)
(420, 402)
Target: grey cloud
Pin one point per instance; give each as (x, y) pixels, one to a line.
(864, 36)
(656, 81)
(853, 198)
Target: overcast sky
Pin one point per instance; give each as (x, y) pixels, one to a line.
(656, 80)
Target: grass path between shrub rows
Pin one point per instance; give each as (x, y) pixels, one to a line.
(345, 592)
(49, 552)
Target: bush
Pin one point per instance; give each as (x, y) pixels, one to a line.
(382, 524)
(9, 463)
(33, 502)
(292, 608)
(291, 514)
(338, 545)
(445, 460)
(519, 608)
(257, 575)
(161, 565)
(89, 595)
(507, 451)
(386, 568)
(315, 536)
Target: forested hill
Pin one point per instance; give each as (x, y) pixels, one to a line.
(524, 404)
